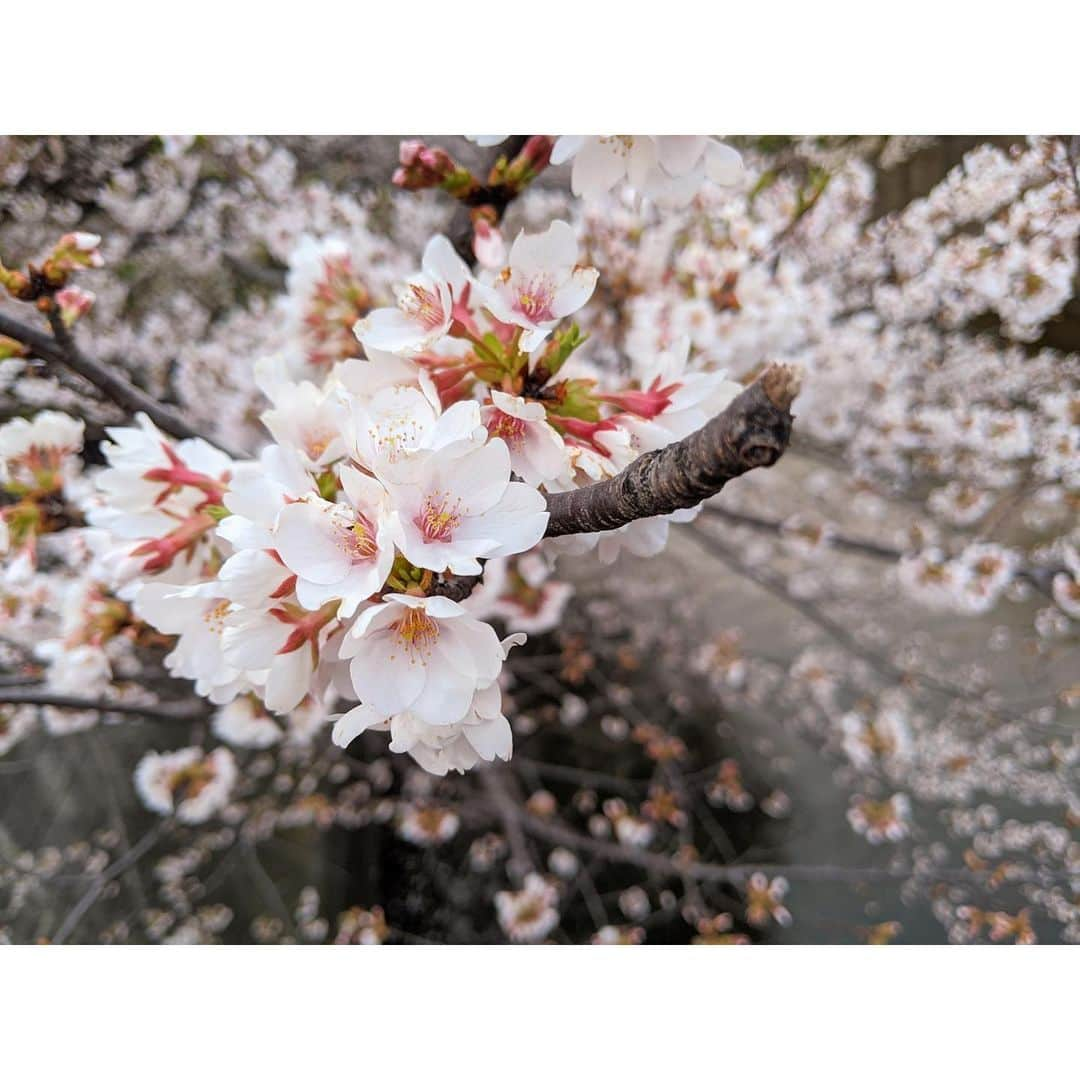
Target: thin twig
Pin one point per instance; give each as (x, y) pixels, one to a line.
(61, 349)
(496, 199)
(493, 780)
(114, 870)
(665, 867)
(161, 710)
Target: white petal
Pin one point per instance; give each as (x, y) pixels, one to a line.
(678, 154)
(443, 263)
(355, 722)
(723, 164)
(573, 294)
(391, 330)
(385, 675)
(492, 739)
(290, 679)
(598, 167)
(309, 543)
(566, 146)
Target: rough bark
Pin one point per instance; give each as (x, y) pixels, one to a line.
(751, 433)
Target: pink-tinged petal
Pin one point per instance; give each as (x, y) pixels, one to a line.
(498, 301)
(491, 739)
(678, 154)
(598, 167)
(310, 544)
(355, 722)
(573, 294)
(566, 146)
(385, 675)
(543, 456)
(723, 164)
(289, 680)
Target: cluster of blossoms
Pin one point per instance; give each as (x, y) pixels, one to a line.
(316, 573)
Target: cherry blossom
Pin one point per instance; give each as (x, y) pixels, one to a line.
(425, 304)
(423, 655)
(541, 284)
(668, 168)
(455, 506)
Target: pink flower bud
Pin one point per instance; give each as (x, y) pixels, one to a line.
(73, 303)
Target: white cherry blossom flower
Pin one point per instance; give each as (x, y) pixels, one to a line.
(196, 613)
(338, 551)
(541, 284)
(457, 505)
(537, 451)
(243, 722)
(667, 168)
(425, 304)
(278, 648)
(38, 454)
(530, 914)
(421, 655)
(189, 783)
(305, 417)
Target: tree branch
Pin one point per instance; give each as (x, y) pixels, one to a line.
(663, 866)
(61, 349)
(751, 433)
(195, 709)
(497, 198)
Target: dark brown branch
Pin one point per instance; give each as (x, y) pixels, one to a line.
(751, 433)
(495, 197)
(161, 710)
(456, 587)
(61, 349)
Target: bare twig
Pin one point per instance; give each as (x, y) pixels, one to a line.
(114, 870)
(494, 783)
(61, 349)
(193, 709)
(494, 198)
(733, 874)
